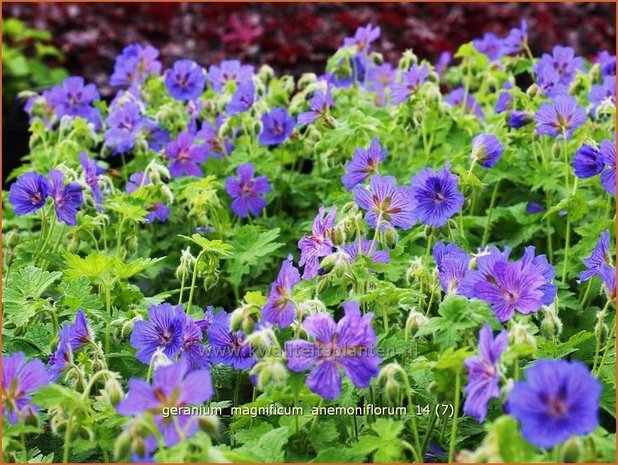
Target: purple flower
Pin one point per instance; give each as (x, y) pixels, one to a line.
(444, 60)
(208, 133)
(228, 70)
(558, 399)
(605, 91)
(352, 250)
(452, 263)
(229, 347)
(73, 98)
(40, 106)
(519, 119)
(319, 105)
(455, 98)
(548, 80)
(608, 177)
(486, 150)
(437, 196)
(506, 286)
(546, 270)
(91, 178)
(505, 99)
(186, 80)
(277, 126)
(379, 78)
(28, 193)
(61, 358)
(134, 65)
(491, 45)
(279, 308)
(515, 40)
(363, 164)
(193, 349)
(599, 257)
(363, 38)
(564, 61)
(386, 203)
(608, 275)
(534, 207)
(137, 180)
(348, 72)
(19, 380)
(242, 99)
(78, 334)
(157, 211)
(172, 386)
(155, 136)
(411, 81)
(560, 117)
(67, 199)
(607, 62)
(125, 123)
(186, 155)
(587, 162)
(164, 330)
(247, 191)
(319, 244)
(347, 345)
(483, 373)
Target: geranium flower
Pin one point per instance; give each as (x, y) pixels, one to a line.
(247, 191)
(186, 80)
(363, 38)
(74, 98)
(363, 164)
(564, 61)
(163, 330)
(599, 257)
(411, 81)
(67, 199)
(29, 193)
(385, 201)
(560, 117)
(491, 45)
(125, 123)
(452, 264)
(319, 105)
(19, 381)
(353, 250)
(279, 308)
(587, 162)
(228, 347)
(604, 92)
(347, 345)
(608, 176)
(134, 64)
(486, 150)
(228, 70)
(91, 178)
(483, 373)
(186, 155)
(277, 126)
(319, 244)
(558, 399)
(436, 195)
(172, 386)
(455, 98)
(242, 99)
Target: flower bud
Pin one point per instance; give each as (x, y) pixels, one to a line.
(305, 80)
(311, 307)
(414, 322)
(85, 433)
(266, 73)
(113, 391)
(415, 269)
(122, 446)
(12, 239)
(551, 326)
(236, 318)
(601, 330)
(408, 58)
(328, 263)
(533, 90)
(338, 235)
(127, 329)
(138, 446)
(209, 424)
(520, 335)
(211, 280)
(73, 246)
(391, 238)
(322, 284)
(572, 450)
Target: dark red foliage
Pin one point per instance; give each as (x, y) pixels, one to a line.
(299, 37)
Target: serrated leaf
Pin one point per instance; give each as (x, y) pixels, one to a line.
(250, 245)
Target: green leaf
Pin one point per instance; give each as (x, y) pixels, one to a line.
(250, 247)
(77, 293)
(54, 395)
(512, 446)
(215, 246)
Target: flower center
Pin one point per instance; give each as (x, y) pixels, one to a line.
(557, 407)
(165, 338)
(37, 198)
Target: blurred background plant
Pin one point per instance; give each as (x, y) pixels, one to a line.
(29, 60)
(292, 38)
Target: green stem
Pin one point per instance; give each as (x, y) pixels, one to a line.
(607, 347)
(451, 449)
(182, 283)
(599, 334)
(491, 208)
(375, 236)
(47, 238)
(67, 438)
(108, 327)
(193, 278)
(413, 426)
(432, 423)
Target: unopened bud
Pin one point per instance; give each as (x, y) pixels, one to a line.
(408, 58)
(138, 446)
(338, 235)
(12, 239)
(266, 73)
(85, 433)
(122, 446)
(533, 90)
(113, 391)
(572, 450)
(209, 424)
(236, 318)
(211, 281)
(328, 263)
(127, 329)
(391, 238)
(414, 322)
